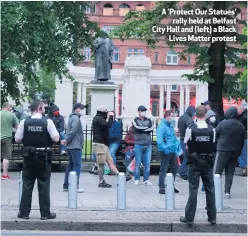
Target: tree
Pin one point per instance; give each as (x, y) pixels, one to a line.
(210, 57)
(47, 35)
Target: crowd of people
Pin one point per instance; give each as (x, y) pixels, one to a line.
(176, 148)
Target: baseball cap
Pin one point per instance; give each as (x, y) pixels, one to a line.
(79, 105)
(206, 103)
(142, 108)
(102, 108)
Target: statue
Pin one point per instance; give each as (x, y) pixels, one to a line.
(103, 58)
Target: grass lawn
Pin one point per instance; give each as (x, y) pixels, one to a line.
(87, 147)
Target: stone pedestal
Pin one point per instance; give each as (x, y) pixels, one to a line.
(102, 94)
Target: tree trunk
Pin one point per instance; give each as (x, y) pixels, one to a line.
(217, 67)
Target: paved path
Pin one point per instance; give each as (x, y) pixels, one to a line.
(138, 197)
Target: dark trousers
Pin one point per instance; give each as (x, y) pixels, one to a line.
(227, 161)
(206, 174)
(166, 160)
(35, 169)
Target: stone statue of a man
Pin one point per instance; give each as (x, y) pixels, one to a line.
(103, 58)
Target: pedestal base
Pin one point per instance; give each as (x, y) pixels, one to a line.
(102, 94)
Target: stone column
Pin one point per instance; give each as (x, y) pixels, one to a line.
(117, 102)
(64, 96)
(181, 100)
(79, 92)
(84, 95)
(168, 97)
(161, 101)
(187, 99)
(202, 93)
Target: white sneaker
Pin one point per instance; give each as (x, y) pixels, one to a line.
(136, 182)
(227, 195)
(63, 153)
(147, 183)
(80, 190)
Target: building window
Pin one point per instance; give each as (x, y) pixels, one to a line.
(156, 57)
(87, 54)
(116, 56)
(108, 10)
(94, 9)
(188, 60)
(88, 8)
(140, 7)
(124, 9)
(172, 58)
(174, 87)
(109, 28)
(135, 51)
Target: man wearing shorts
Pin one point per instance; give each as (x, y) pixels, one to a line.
(100, 127)
(8, 122)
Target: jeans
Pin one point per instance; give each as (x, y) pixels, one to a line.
(206, 174)
(113, 147)
(62, 137)
(142, 154)
(243, 157)
(129, 155)
(183, 170)
(166, 160)
(75, 159)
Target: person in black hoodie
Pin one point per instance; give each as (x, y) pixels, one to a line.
(59, 122)
(242, 117)
(228, 147)
(183, 122)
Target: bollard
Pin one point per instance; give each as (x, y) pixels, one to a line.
(170, 195)
(121, 191)
(20, 187)
(72, 190)
(218, 192)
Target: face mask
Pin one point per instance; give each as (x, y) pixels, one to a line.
(212, 119)
(143, 114)
(56, 113)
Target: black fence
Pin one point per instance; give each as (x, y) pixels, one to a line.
(87, 153)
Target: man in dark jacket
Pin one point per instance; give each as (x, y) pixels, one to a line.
(183, 122)
(242, 117)
(231, 134)
(143, 149)
(59, 122)
(74, 140)
(100, 128)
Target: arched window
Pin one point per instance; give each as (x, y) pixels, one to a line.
(140, 7)
(107, 5)
(124, 9)
(124, 5)
(172, 58)
(108, 10)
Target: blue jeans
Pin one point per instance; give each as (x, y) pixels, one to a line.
(166, 160)
(113, 147)
(74, 164)
(243, 157)
(129, 155)
(142, 154)
(183, 170)
(62, 137)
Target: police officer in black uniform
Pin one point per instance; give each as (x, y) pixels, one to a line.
(200, 139)
(37, 134)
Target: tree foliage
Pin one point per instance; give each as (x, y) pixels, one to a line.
(44, 34)
(139, 25)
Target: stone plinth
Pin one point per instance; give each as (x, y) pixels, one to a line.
(102, 94)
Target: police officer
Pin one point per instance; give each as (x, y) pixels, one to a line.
(200, 139)
(37, 134)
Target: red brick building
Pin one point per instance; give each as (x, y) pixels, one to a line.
(110, 14)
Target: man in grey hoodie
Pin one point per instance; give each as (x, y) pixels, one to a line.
(74, 140)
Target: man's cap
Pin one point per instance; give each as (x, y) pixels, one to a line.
(142, 108)
(79, 105)
(206, 103)
(102, 108)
